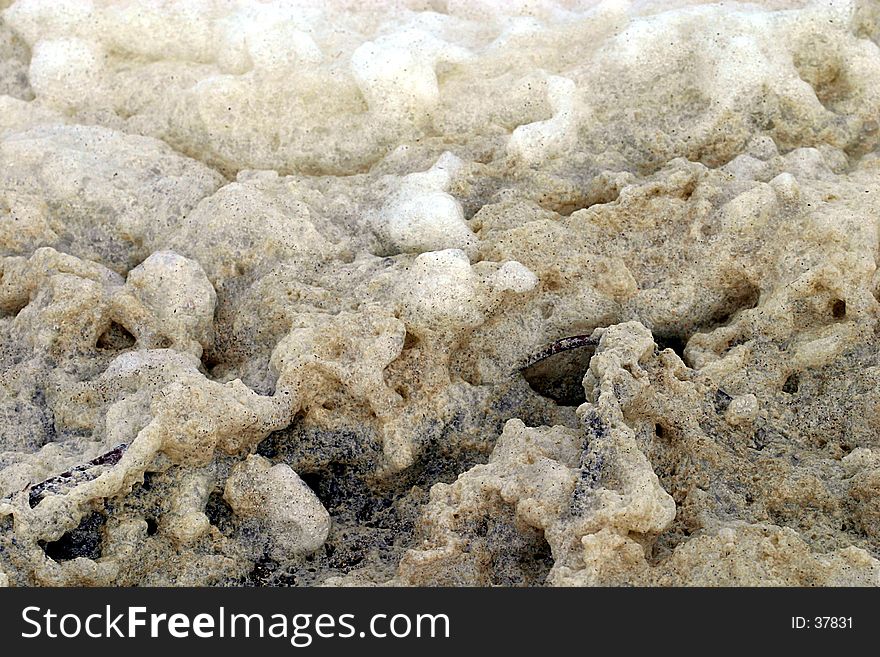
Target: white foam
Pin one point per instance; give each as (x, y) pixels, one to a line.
(66, 71)
(536, 142)
(396, 72)
(422, 216)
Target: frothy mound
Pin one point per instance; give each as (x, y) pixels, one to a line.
(271, 271)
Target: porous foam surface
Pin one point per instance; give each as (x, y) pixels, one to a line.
(270, 272)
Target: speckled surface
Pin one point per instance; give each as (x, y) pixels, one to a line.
(270, 274)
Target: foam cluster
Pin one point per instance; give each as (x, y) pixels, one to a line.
(556, 292)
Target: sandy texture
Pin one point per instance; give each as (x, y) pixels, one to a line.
(270, 272)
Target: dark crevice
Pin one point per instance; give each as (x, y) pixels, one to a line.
(744, 297)
(75, 475)
(262, 574)
(342, 489)
(671, 341)
(13, 307)
(368, 526)
(722, 400)
(560, 376)
(219, 512)
(323, 484)
(84, 541)
(557, 371)
(211, 359)
(164, 342)
(527, 565)
(410, 341)
(115, 338)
